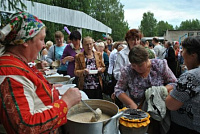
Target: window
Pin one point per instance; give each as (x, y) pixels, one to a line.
(191, 34)
(198, 33)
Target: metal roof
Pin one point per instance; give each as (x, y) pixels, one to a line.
(151, 38)
(63, 16)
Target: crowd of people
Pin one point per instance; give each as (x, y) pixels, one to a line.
(123, 71)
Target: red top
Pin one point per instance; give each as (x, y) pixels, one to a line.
(28, 103)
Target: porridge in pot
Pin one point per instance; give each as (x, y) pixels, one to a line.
(86, 117)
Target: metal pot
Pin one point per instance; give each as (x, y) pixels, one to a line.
(109, 126)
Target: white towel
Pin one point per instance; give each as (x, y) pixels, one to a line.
(155, 98)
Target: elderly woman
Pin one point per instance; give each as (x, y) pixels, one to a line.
(185, 98)
(86, 62)
(100, 48)
(45, 50)
(140, 75)
(28, 103)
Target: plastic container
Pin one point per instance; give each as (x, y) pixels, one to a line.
(135, 121)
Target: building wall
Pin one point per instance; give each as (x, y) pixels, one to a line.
(179, 35)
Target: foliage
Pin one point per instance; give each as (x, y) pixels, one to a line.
(109, 12)
(150, 27)
(162, 26)
(148, 24)
(4, 19)
(16, 5)
(176, 27)
(13, 5)
(190, 25)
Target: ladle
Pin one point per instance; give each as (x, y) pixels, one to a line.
(97, 115)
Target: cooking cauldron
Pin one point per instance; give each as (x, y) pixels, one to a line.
(109, 126)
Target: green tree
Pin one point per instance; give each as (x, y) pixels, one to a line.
(116, 22)
(162, 27)
(176, 27)
(190, 25)
(111, 13)
(12, 4)
(148, 24)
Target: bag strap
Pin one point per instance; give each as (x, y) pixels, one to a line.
(54, 54)
(164, 51)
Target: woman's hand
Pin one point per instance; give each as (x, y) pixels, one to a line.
(86, 71)
(169, 88)
(113, 96)
(42, 65)
(72, 97)
(125, 99)
(57, 85)
(67, 58)
(100, 70)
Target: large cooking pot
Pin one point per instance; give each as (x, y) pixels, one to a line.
(109, 126)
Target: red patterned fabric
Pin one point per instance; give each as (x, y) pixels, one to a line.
(27, 103)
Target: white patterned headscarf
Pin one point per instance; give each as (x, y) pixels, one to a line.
(22, 26)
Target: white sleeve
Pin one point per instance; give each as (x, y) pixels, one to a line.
(50, 56)
(156, 51)
(119, 63)
(111, 63)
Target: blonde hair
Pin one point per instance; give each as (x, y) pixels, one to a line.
(100, 44)
(49, 43)
(109, 38)
(86, 38)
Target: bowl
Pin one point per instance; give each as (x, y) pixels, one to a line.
(93, 71)
(58, 79)
(50, 71)
(64, 88)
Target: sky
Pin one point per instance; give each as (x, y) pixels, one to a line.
(172, 11)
